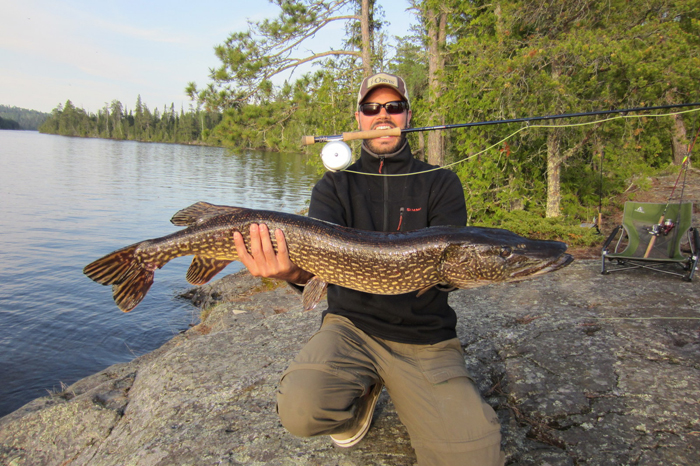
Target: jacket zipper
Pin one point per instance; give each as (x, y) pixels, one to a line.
(386, 196)
(400, 218)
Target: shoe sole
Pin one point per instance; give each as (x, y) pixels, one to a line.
(355, 439)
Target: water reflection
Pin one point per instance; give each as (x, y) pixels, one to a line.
(67, 201)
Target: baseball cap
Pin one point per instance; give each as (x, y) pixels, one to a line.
(382, 79)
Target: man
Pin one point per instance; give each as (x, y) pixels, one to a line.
(406, 343)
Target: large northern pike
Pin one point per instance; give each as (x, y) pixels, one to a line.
(374, 262)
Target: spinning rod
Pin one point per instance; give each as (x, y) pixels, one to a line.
(664, 227)
(377, 133)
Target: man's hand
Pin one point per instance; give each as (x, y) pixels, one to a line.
(262, 260)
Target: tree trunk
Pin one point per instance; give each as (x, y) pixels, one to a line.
(554, 162)
(366, 39)
(679, 137)
(436, 26)
(421, 147)
(500, 28)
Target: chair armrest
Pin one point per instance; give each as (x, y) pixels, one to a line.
(611, 237)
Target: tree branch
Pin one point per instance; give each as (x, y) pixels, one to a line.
(309, 34)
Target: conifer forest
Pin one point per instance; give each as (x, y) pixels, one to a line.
(464, 61)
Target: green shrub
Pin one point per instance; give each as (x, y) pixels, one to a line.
(536, 227)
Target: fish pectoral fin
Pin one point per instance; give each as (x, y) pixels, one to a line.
(469, 285)
(199, 212)
(202, 269)
(313, 292)
(446, 287)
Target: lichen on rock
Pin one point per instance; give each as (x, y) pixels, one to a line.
(581, 368)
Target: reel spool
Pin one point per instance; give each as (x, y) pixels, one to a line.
(336, 155)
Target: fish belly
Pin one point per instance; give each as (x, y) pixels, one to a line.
(371, 271)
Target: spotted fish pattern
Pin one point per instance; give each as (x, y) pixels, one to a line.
(373, 262)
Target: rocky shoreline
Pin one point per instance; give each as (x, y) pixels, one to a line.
(582, 369)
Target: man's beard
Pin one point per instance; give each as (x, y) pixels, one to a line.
(377, 147)
(385, 149)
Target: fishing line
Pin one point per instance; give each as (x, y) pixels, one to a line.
(369, 134)
(642, 318)
(528, 126)
(584, 318)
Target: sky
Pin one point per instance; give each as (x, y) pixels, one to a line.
(92, 52)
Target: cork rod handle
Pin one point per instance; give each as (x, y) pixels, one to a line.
(353, 135)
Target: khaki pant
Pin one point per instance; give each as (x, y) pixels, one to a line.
(430, 387)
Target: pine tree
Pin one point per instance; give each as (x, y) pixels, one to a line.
(250, 59)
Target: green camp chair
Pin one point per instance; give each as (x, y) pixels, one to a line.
(646, 241)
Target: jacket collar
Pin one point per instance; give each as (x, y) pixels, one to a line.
(395, 162)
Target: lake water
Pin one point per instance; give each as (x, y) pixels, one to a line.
(68, 201)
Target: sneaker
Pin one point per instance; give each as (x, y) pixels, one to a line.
(363, 419)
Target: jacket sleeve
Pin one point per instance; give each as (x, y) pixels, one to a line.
(446, 201)
(325, 203)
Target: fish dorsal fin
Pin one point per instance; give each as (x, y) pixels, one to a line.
(313, 292)
(199, 212)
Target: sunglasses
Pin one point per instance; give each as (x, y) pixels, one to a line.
(392, 108)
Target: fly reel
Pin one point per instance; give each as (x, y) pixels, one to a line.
(336, 155)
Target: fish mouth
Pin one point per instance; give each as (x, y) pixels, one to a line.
(542, 267)
(560, 263)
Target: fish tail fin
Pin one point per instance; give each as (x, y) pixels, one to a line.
(131, 291)
(112, 268)
(130, 280)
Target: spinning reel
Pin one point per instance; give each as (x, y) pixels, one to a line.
(662, 228)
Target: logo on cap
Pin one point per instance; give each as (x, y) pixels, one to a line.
(382, 79)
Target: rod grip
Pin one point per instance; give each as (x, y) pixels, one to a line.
(371, 134)
(307, 140)
(653, 239)
(353, 135)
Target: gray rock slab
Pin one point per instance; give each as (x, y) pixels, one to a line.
(582, 369)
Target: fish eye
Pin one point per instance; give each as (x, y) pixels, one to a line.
(506, 251)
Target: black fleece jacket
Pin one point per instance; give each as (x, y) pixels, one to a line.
(392, 203)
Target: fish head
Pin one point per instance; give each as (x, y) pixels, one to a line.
(495, 255)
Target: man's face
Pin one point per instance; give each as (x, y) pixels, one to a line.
(383, 120)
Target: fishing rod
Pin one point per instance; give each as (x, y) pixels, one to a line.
(378, 133)
(665, 227)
